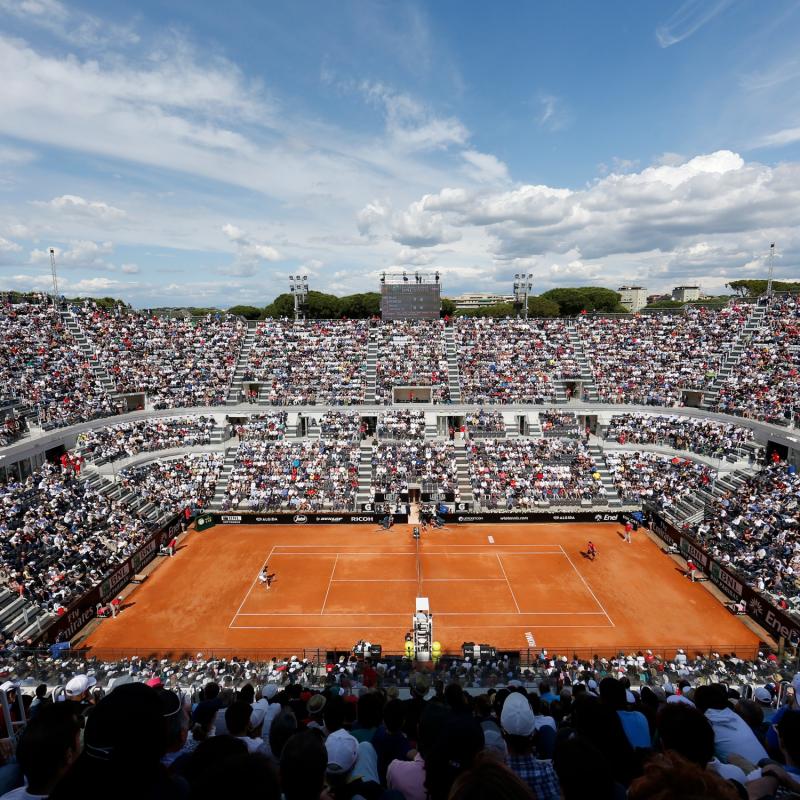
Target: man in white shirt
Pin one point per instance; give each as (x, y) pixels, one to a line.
(238, 719)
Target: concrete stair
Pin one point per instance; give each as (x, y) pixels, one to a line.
(100, 373)
(222, 480)
(453, 375)
(372, 364)
(235, 389)
(587, 376)
(464, 486)
(364, 493)
(599, 459)
(751, 328)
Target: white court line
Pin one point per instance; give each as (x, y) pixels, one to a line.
(423, 553)
(412, 580)
(394, 627)
(241, 605)
(450, 546)
(503, 570)
(589, 588)
(438, 614)
(330, 581)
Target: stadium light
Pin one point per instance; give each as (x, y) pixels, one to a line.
(523, 283)
(298, 286)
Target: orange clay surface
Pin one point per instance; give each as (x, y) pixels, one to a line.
(503, 585)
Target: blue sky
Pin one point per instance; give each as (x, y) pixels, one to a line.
(193, 153)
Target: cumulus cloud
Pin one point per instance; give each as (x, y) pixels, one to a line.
(73, 205)
(688, 214)
(250, 252)
(8, 251)
(84, 254)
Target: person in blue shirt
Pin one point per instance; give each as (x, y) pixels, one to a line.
(634, 723)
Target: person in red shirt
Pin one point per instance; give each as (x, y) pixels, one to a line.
(691, 568)
(628, 529)
(172, 546)
(370, 677)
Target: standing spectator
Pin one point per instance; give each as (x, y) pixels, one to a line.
(389, 741)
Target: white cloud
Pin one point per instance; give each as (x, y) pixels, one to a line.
(9, 247)
(688, 19)
(778, 138)
(372, 216)
(70, 24)
(83, 254)
(15, 156)
(250, 252)
(484, 167)
(130, 269)
(553, 115)
(73, 205)
(412, 126)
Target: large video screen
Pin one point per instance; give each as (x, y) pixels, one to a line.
(410, 300)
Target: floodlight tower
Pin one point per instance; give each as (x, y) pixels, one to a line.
(54, 275)
(771, 268)
(523, 283)
(298, 285)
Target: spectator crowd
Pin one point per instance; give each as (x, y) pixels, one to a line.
(704, 436)
(127, 439)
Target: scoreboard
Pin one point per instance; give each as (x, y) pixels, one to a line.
(410, 301)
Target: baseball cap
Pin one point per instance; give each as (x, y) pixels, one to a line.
(342, 752)
(762, 695)
(516, 717)
(269, 690)
(79, 685)
(257, 714)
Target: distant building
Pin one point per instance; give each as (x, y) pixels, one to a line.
(634, 298)
(686, 294)
(481, 299)
(654, 298)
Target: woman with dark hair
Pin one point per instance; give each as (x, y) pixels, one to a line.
(489, 780)
(454, 752)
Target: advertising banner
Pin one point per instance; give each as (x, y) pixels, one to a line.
(495, 517)
(84, 609)
(328, 518)
(777, 621)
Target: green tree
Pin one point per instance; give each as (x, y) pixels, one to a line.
(281, 306)
(753, 288)
(360, 306)
(448, 308)
(542, 307)
(585, 298)
(248, 312)
(666, 304)
(496, 310)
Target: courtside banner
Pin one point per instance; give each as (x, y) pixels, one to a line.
(761, 609)
(84, 609)
(493, 517)
(331, 518)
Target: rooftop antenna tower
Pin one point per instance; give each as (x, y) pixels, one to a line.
(771, 268)
(54, 273)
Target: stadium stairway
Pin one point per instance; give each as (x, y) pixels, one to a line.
(364, 493)
(222, 481)
(453, 377)
(100, 373)
(462, 467)
(751, 328)
(235, 390)
(587, 376)
(601, 466)
(372, 363)
(21, 616)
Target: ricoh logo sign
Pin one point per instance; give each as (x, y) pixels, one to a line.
(356, 519)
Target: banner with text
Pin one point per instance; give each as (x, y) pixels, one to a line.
(342, 518)
(84, 609)
(534, 516)
(762, 610)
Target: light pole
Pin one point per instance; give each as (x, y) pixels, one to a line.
(298, 285)
(522, 286)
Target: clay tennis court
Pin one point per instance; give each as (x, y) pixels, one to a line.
(510, 586)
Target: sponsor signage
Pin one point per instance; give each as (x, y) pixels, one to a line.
(769, 616)
(342, 518)
(543, 516)
(84, 609)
